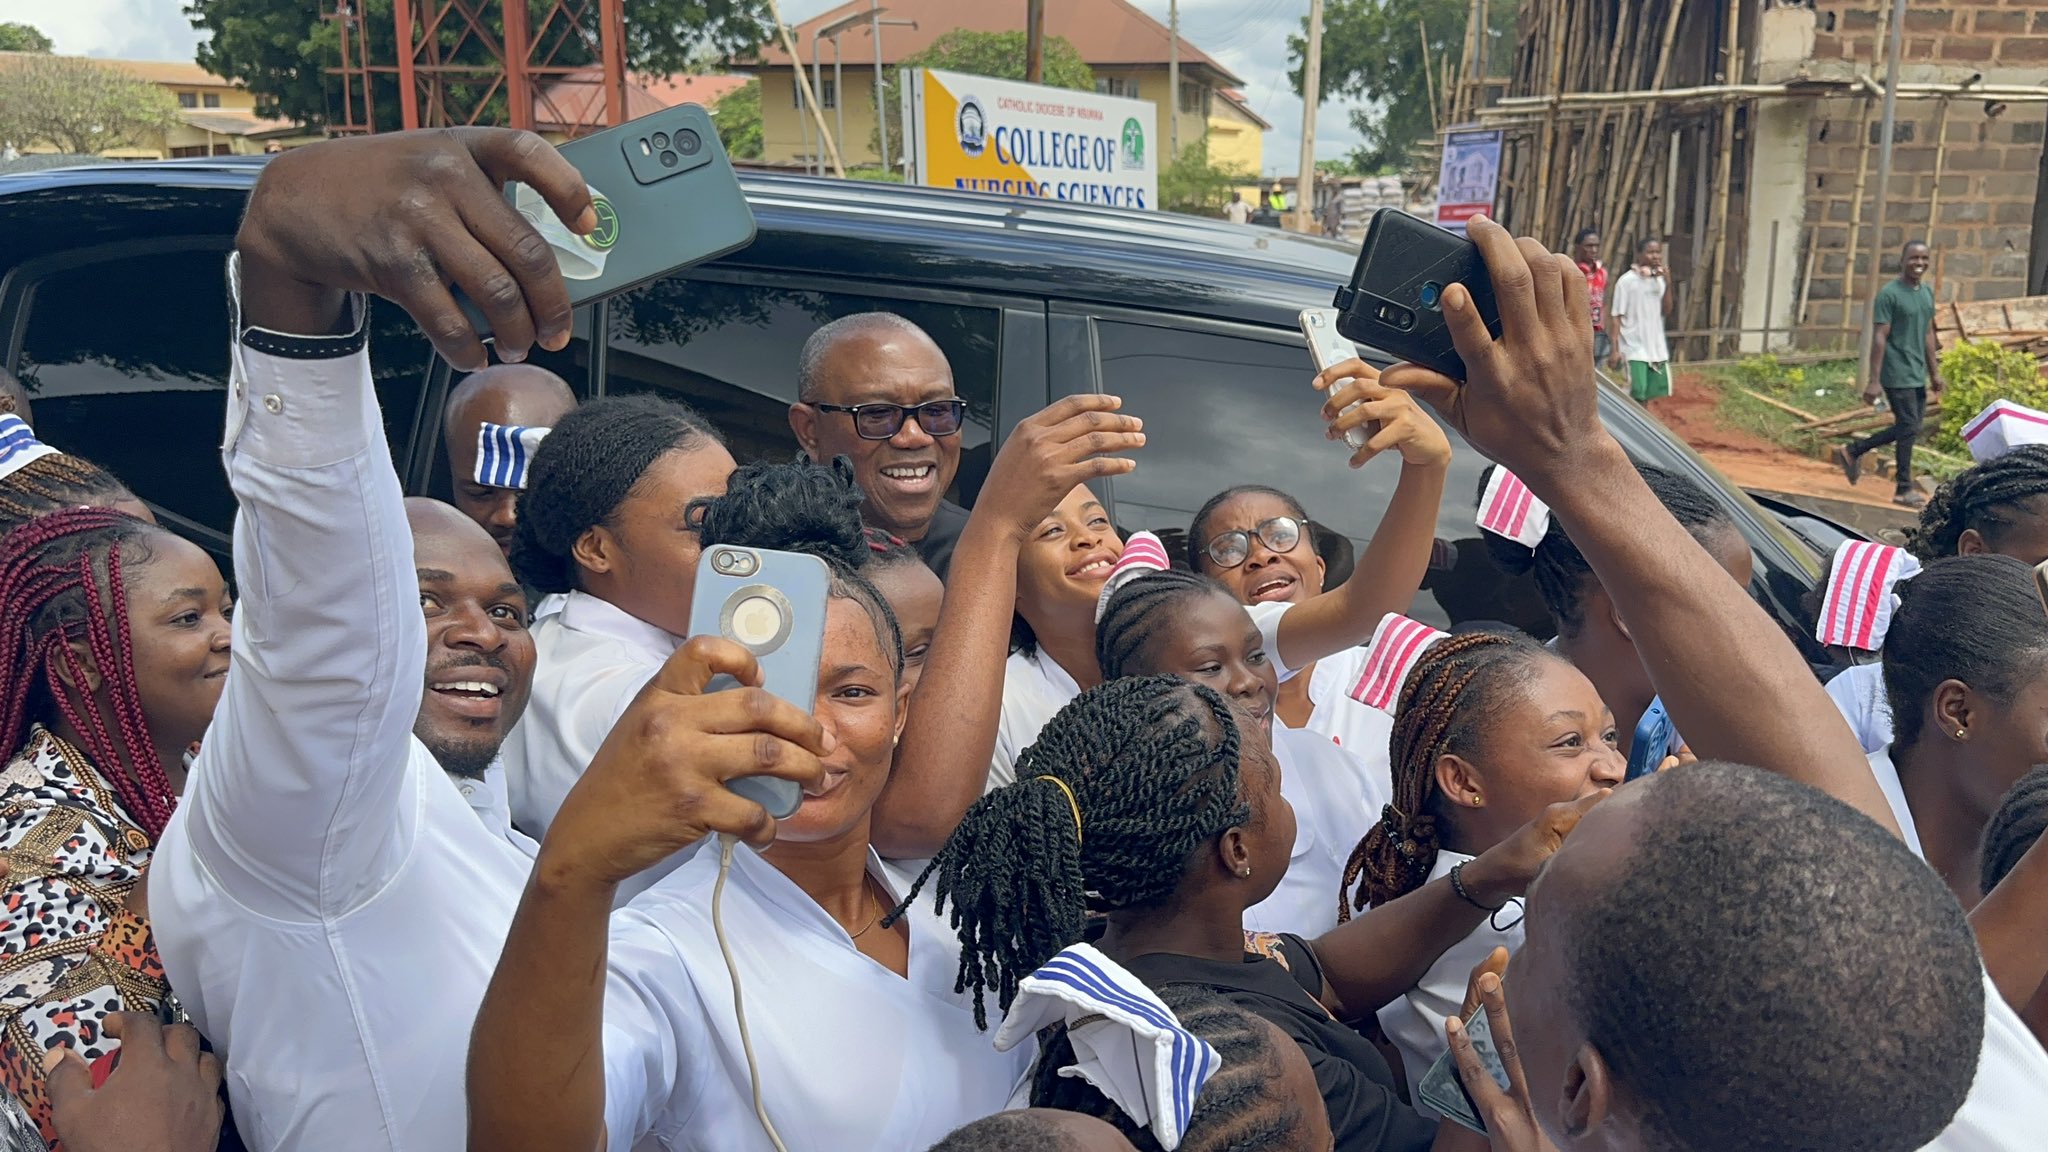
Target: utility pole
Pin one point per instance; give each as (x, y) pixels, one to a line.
(1884, 187)
(1034, 41)
(1172, 81)
(1311, 95)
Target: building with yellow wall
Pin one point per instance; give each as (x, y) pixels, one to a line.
(217, 117)
(1127, 50)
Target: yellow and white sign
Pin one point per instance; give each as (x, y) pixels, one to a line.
(985, 135)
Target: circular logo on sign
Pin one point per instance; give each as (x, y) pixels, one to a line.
(1132, 147)
(606, 233)
(973, 126)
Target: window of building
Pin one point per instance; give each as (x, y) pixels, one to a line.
(826, 88)
(730, 351)
(1193, 97)
(188, 99)
(210, 100)
(1123, 86)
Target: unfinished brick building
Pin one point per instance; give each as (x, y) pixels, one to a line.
(1647, 134)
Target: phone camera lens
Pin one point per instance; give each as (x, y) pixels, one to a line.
(668, 160)
(1432, 295)
(660, 140)
(688, 142)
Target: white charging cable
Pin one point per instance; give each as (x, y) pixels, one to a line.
(726, 844)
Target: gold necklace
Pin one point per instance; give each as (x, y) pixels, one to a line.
(869, 889)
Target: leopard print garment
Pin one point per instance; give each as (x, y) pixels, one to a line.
(71, 954)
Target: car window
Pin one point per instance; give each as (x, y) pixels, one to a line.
(1222, 410)
(126, 362)
(730, 351)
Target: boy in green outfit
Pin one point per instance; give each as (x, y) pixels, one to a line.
(1905, 358)
(1642, 300)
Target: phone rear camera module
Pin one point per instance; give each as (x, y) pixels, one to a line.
(1432, 295)
(732, 563)
(688, 142)
(668, 159)
(660, 140)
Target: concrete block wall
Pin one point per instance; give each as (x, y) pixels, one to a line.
(1990, 173)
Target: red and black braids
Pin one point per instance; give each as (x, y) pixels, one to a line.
(61, 586)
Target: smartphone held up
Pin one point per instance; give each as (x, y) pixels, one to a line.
(666, 198)
(1328, 347)
(1394, 301)
(773, 605)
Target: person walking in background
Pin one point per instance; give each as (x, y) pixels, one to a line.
(1586, 251)
(1905, 357)
(1333, 213)
(1237, 211)
(1642, 300)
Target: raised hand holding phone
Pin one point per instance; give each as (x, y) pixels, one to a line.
(1490, 1072)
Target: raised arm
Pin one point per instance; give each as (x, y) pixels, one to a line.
(1390, 572)
(1731, 679)
(943, 761)
(295, 806)
(547, 1071)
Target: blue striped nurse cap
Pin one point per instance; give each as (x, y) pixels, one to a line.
(504, 452)
(18, 446)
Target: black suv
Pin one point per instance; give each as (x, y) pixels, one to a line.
(114, 311)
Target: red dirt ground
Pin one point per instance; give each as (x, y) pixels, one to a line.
(1753, 462)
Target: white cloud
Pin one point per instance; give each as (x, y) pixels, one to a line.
(1249, 37)
(122, 29)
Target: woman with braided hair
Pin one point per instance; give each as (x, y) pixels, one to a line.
(1491, 728)
(1999, 507)
(113, 652)
(1151, 802)
(36, 479)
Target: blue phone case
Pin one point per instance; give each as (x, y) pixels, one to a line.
(666, 198)
(772, 604)
(1652, 741)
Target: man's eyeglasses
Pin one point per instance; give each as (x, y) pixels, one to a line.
(1280, 534)
(882, 421)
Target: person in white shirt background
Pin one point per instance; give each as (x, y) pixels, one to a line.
(326, 902)
(601, 523)
(1641, 302)
(848, 1020)
(1490, 729)
(523, 396)
(1966, 670)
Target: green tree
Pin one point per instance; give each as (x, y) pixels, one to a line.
(1193, 185)
(22, 38)
(1372, 54)
(80, 105)
(738, 116)
(282, 50)
(996, 54)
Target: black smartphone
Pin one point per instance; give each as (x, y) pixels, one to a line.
(1394, 301)
(666, 198)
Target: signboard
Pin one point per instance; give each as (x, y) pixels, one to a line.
(984, 135)
(1470, 174)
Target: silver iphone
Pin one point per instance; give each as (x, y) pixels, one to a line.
(1327, 346)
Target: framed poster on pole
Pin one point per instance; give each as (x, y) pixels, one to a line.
(1468, 178)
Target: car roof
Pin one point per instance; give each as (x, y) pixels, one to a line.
(927, 237)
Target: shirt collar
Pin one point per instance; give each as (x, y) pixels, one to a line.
(582, 612)
(1059, 678)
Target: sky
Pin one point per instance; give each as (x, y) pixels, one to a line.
(1248, 36)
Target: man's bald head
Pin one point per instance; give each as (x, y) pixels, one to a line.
(514, 395)
(14, 398)
(480, 656)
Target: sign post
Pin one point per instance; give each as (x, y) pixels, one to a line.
(1469, 177)
(979, 134)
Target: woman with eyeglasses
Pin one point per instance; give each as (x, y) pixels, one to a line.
(975, 713)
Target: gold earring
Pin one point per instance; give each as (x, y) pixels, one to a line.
(1963, 732)
(1245, 871)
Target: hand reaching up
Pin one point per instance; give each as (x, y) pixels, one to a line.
(1510, 1120)
(1391, 418)
(1072, 441)
(1529, 400)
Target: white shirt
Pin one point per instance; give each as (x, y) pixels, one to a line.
(1415, 1022)
(1035, 688)
(1237, 211)
(1335, 802)
(592, 660)
(1858, 691)
(1638, 305)
(1364, 732)
(2008, 1102)
(486, 797)
(852, 1056)
(326, 904)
